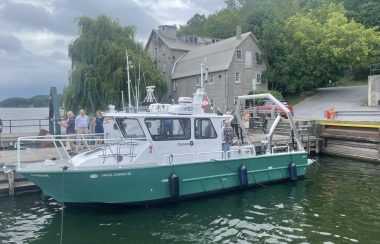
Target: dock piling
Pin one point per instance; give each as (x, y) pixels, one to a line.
(11, 183)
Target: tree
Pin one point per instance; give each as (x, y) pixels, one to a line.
(98, 73)
(194, 26)
(306, 43)
(367, 13)
(317, 49)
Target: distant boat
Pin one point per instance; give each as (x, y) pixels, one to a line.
(165, 155)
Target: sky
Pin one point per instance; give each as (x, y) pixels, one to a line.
(35, 34)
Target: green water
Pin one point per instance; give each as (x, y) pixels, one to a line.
(339, 202)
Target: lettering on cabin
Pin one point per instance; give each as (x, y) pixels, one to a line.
(40, 175)
(116, 174)
(190, 143)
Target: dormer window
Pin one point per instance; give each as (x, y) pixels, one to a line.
(239, 54)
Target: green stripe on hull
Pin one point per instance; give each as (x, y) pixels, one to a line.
(150, 183)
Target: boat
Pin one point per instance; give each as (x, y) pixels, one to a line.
(164, 155)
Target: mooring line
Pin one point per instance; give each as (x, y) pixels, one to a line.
(63, 201)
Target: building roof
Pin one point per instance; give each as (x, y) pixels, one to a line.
(218, 57)
(176, 44)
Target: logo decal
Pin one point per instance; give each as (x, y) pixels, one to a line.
(93, 176)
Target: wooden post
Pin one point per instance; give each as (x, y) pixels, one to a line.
(11, 183)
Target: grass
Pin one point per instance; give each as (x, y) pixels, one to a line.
(349, 81)
(297, 98)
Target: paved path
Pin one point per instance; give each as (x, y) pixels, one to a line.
(352, 98)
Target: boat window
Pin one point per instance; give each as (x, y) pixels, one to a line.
(204, 129)
(168, 129)
(130, 128)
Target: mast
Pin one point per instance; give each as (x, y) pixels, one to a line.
(129, 84)
(122, 100)
(138, 86)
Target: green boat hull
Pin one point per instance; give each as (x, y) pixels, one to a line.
(150, 183)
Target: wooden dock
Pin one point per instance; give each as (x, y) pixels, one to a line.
(12, 183)
(360, 141)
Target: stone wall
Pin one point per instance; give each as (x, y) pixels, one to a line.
(374, 90)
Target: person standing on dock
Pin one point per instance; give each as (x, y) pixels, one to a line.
(98, 121)
(69, 124)
(235, 126)
(81, 126)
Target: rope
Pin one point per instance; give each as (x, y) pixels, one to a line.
(63, 202)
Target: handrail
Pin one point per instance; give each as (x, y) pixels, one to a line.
(60, 139)
(9, 123)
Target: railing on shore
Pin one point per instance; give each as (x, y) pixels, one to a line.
(10, 125)
(374, 69)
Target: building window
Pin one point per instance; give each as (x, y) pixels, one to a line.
(248, 59)
(259, 59)
(211, 78)
(258, 78)
(164, 67)
(237, 77)
(239, 54)
(204, 129)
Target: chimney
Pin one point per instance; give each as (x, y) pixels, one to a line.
(238, 32)
(169, 31)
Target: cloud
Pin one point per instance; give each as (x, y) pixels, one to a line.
(9, 44)
(35, 34)
(177, 12)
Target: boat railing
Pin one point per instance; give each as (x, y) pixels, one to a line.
(83, 143)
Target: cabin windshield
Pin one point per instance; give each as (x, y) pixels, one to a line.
(130, 128)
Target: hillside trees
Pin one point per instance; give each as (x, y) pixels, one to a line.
(98, 73)
(319, 46)
(307, 43)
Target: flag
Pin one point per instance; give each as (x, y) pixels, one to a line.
(205, 102)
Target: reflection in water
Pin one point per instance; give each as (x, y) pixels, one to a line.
(336, 203)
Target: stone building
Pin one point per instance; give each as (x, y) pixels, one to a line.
(166, 46)
(234, 64)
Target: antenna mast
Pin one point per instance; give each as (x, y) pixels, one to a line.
(129, 64)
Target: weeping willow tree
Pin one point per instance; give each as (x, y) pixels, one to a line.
(98, 72)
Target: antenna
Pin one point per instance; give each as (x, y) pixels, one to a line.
(150, 98)
(122, 100)
(138, 85)
(129, 65)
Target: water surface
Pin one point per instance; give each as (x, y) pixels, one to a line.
(338, 202)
